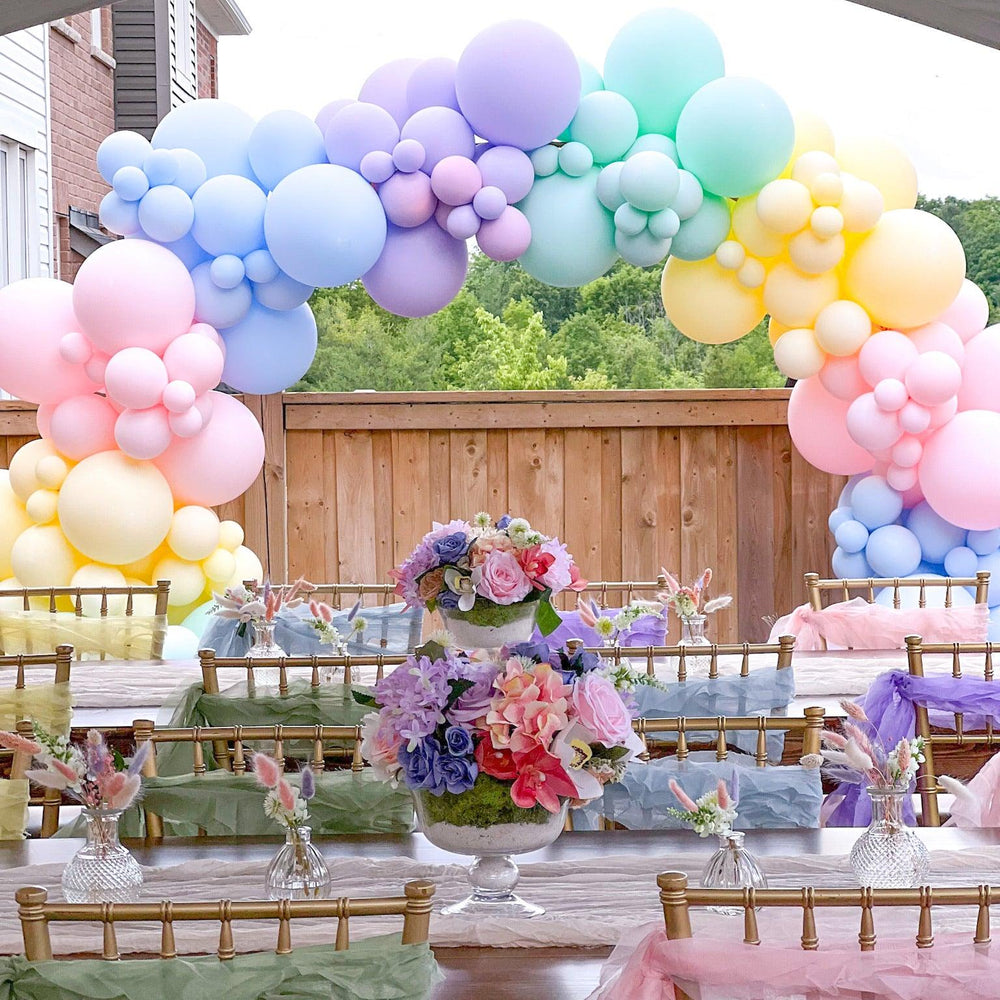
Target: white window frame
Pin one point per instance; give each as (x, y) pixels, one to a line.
(19, 255)
(185, 40)
(97, 38)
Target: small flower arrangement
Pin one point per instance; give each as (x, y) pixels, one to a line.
(686, 602)
(499, 743)
(322, 621)
(252, 605)
(711, 813)
(476, 567)
(637, 616)
(284, 803)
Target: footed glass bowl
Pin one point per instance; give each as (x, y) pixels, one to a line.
(489, 625)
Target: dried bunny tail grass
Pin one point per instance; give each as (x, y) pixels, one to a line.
(854, 710)
(955, 787)
(717, 604)
(682, 797)
(833, 739)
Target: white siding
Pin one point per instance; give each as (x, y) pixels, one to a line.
(183, 52)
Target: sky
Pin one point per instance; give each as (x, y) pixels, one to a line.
(865, 72)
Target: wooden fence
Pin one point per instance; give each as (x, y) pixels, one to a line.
(632, 481)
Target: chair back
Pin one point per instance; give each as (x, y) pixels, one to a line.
(847, 589)
(61, 659)
(211, 664)
(619, 593)
(36, 913)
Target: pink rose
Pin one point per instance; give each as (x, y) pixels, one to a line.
(599, 708)
(500, 579)
(379, 747)
(558, 576)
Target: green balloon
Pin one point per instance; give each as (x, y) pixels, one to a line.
(658, 60)
(590, 80)
(699, 237)
(572, 234)
(606, 123)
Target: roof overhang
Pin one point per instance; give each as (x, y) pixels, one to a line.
(223, 17)
(977, 20)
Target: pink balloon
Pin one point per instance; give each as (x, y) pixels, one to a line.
(143, 434)
(891, 395)
(871, 427)
(206, 330)
(886, 354)
(221, 461)
(75, 348)
(914, 418)
(906, 451)
(933, 378)
(441, 214)
(204, 405)
(841, 377)
(938, 336)
(43, 419)
(913, 496)
(900, 478)
(132, 293)
(195, 359)
(83, 425)
(179, 396)
(507, 237)
(35, 314)
(960, 470)
(969, 313)
(456, 179)
(940, 415)
(407, 199)
(186, 424)
(136, 378)
(817, 424)
(981, 372)
(96, 367)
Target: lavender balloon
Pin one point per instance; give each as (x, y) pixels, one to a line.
(357, 130)
(326, 113)
(377, 166)
(386, 87)
(489, 203)
(420, 271)
(509, 169)
(507, 237)
(407, 199)
(409, 155)
(432, 85)
(463, 222)
(442, 132)
(456, 179)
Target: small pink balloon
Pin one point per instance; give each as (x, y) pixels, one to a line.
(204, 405)
(507, 237)
(886, 354)
(842, 378)
(455, 180)
(816, 421)
(408, 199)
(441, 214)
(933, 378)
(906, 451)
(136, 378)
(195, 359)
(83, 425)
(914, 418)
(489, 203)
(980, 372)
(207, 330)
(969, 313)
(186, 424)
(43, 419)
(143, 434)
(463, 222)
(75, 349)
(891, 395)
(938, 337)
(179, 396)
(913, 496)
(871, 427)
(941, 414)
(96, 367)
(900, 478)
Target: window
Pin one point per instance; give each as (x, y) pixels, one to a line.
(18, 256)
(96, 31)
(184, 34)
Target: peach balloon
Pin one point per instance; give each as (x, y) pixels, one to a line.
(13, 520)
(23, 467)
(43, 557)
(83, 425)
(841, 378)
(194, 533)
(883, 163)
(817, 424)
(96, 575)
(796, 299)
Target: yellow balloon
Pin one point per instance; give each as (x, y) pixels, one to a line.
(248, 567)
(813, 255)
(751, 274)
(13, 520)
(187, 580)
(231, 535)
(220, 566)
(826, 221)
(794, 298)
(752, 233)
(142, 569)
(842, 328)
(706, 302)
(177, 614)
(811, 132)
(94, 575)
(775, 330)
(884, 164)
(812, 165)
(42, 506)
(142, 604)
(42, 557)
(12, 604)
(827, 189)
(114, 509)
(784, 206)
(51, 471)
(907, 271)
(730, 254)
(861, 204)
(194, 533)
(797, 354)
(23, 475)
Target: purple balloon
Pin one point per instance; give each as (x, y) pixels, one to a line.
(456, 179)
(420, 271)
(489, 203)
(505, 238)
(432, 85)
(463, 222)
(441, 214)
(518, 84)
(442, 132)
(407, 199)
(377, 166)
(356, 130)
(386, 87)
(409, 155)
(509, 169)
(326, 113)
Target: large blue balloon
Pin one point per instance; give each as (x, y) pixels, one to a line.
(281, 292)
(892, 551)
(324, 225)
(268, 351)
(850, 565)
(121, 149)
(282, 142)
(937, 536)
(229, 215)
(166, 213)
(218, 132)
(875, 503)
(961, 561)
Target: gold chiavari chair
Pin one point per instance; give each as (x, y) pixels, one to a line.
(36, 913)
(846, 589)
(624, 591)
(927, 783)
(676, 898)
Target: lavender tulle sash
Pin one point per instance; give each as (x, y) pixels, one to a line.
(645, 631)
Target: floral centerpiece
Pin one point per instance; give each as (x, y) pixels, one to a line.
(490, 576)
(494, 753)
(638, 623)
(711, 813)
(692, 606)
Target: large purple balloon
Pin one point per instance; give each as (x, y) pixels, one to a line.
(442, 132)
(358, 129)
(420, 271)
(518, 84)
(432, 85)
(325, 114)
(386, 87)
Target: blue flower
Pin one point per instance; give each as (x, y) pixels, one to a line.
(447, 599)
(452, 547)
(420, 764)
(458, 740)
(537, 651)
(504, 521)
(457, 774)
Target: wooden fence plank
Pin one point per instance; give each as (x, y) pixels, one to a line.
(469, 473)
(724, 625)
(610, 473)
(411, 506)
(306, 506)
(382, 466)
(755, 546)
(639, 503)
(355, 507)
(583, 500)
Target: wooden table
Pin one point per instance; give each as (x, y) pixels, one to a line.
(511, 974)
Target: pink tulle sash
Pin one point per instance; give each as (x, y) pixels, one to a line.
(856, 624)
(985, 810)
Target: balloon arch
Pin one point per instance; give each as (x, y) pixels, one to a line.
(231, 223)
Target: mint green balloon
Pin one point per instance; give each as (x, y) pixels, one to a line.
(735, 135)
(572, 234)
(575, 159)
(606, 123)
(658, 60)
(590, 80)
(699, 237)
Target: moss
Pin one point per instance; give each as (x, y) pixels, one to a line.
(487, 613)
(486, 804)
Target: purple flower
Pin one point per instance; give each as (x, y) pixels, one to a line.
(447, 599)
(649, 630)
(456, 774)
(504, 521)
(452, 547)
(307, 785)
(419, 765)
(475, 702)
(413, 697)
(537, 651)
(458, 741)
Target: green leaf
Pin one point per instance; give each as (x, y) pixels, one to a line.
(547, 619)
(364, 698)
(432, 650)
(459, 686)
(119, 760)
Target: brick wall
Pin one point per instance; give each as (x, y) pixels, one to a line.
(208, 49)
(82, 97)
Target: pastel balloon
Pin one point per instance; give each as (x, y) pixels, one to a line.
(136, 377)
(217, 131)
(324, 225)
(187, 580)
(194, 533)
(408, 155)
(194, 359)
(851, 536)
(900, 478)
(914, 418)
(456, 179)
(665, 224)
(629, 221)
(937, 336)
(872, 427)
(51, 471)
(943, 412)
(83, 425)
(506, 237)
(842, 328)
(191, 172)
(961, 561)
(178, 396)
(656, 143)
(131, 293)
(180, 643)
(650, 181)
(268, 351)
(281, 292)
(816, 422)
(24, 465)
(219, 307)
(841, 378)
(132, 499)
(642, 249)
(545, 161)
(784, 206)
(186, 424)
(192, 465)
(886, 354)
(881, 162)
(797, 354)
(442, 132)
(969, 313)
(891, 395)
(861, 205)
(42, 506)
(248, 567)
(838, 516)
(220, 565)
(408, 199)
(575, 159)
(166, 213)
(813, 255)
(462, 222)
(979, 379)
(359, 129)
(850, 565)
(906, 452)
(227, 270)
(518, 84)
(893, 551)
(387, 87)
(119, 216)
(658, 60)
(377, 166)
(936, 536)
(752, 233)
(42, 557)
(700, 234)
(281, 142)
(231, 536)
(432, 84)
(419, 272)
(121, 149)
(160, 166)
(933, 378)
(259, 266)
(811, 133)
(35, 315)
(229, 215)
(983, 543)
(13, 520)
(188, 251)
(143, 434)
(95, 575)
(606, 123)
(130, 183)
(509, 169)
(796, 299)
(875, 503)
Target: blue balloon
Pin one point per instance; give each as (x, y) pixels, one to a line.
(219, 307)
(161, 166)
(229, 215)
(200, 618)
(642, 249)
(991, 564)
(983, 543)
(993, 629)
(179, 643)
(130, 183)
(269, 351)
(282, 142)
(121, 149)
(227, 270)
(850, 565)
(845, 493)
(875, 503)
(282, 292)
(655, 142)
(325, 225)
(851, 536)
(218, 132)
(892, 550)
(699, 236)
(166, 213)
(961, 561)
(191, 172)
(838, 516)
(260, 266)
(188, 251)
(937, 536)
(120, 216)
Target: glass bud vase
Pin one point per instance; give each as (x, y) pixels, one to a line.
(265, 648)
(693, 634)
(889, 854)
(732, 866)
(298, 870)
(103, 870)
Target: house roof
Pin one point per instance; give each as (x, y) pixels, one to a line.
(977, 20)
(223, 17)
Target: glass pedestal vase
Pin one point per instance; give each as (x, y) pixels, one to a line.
(103, 870)
(490, 626)
(889, 854)
(732, 866)
(465, 828)
(265, 648)
(298, 870)
(693, 634)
